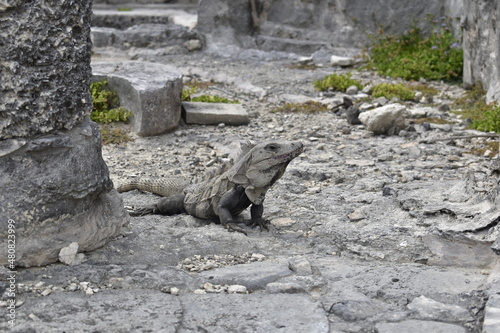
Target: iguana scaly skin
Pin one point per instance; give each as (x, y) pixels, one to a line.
(226, 194)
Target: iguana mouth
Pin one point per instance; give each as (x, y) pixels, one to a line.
(291, 155)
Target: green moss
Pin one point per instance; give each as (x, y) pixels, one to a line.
(339, 82)
(485, 117)
(113, 135)
(105, 104)
(431, 120)
(423, 88)
(306, 107)
(213, 99)
(412, 56)
(187, 92)
(124, 9)
(390, 90)
(490, 146)
(304, 66)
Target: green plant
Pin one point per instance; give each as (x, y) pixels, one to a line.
(391, 90)
(124, 9)
(412, 56)
(307, 107)
(339, 82)
(489, 120)
(187, 92)
(485, 117)
(105, 103)
(423, 88)
(113, 135)
(213, 99)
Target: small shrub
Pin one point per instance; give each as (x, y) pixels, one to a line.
(306, 107)
(412, 56)
(489, 120)
(390, 90)
(105, 103)
(485, 117)
(339, 82)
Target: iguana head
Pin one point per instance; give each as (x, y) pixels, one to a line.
(263, 165)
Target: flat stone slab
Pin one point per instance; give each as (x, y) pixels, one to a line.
(151, 91)
(215, 113)
(252, 313)
(419, 326)
(100, 312)
(254, 276)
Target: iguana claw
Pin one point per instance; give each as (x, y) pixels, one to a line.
(260, 222)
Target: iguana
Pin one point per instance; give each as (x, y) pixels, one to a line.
(229, 192)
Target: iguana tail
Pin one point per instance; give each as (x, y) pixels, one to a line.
(165, 187)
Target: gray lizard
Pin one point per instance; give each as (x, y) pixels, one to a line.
(227, 194)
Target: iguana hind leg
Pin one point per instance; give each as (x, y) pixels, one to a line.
(165, 206)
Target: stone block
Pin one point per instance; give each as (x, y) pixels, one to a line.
(151, 91)
(56, 190)
(215, 113)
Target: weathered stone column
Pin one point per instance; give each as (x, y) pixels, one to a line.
(482, 46)
(54, 185)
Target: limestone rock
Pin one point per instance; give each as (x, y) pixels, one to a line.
(151, 91)
(224, 313)
(215, 113)
(418, 326)
(226, 22)
(68, 254)
(427, 308)
(352, 90)
(43, 70)
(300, 266)
(341, 61)
(57, 190)
(385, 120)
(255, 276)
(481, 63)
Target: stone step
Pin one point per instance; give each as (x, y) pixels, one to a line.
(147, 35)
(126, 16)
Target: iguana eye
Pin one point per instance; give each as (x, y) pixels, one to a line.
(272, 147)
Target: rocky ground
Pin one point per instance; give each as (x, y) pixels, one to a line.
(368, 233)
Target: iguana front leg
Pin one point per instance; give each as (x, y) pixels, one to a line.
(256, 212)
(232, 202)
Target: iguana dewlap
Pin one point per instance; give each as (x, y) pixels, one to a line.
(226, 195)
